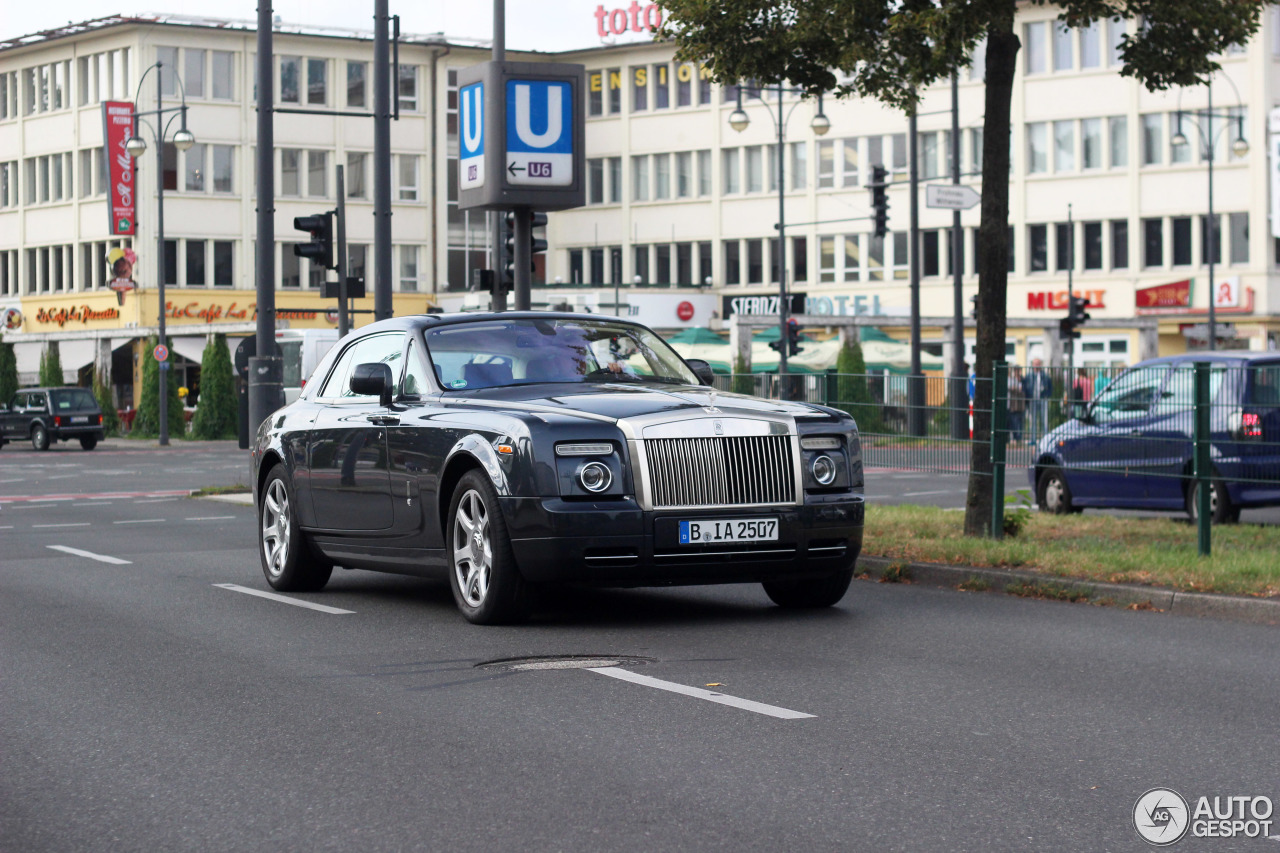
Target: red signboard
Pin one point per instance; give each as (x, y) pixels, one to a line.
(117, 127)
(685, 311)
(1056, 300)
(1173, 295)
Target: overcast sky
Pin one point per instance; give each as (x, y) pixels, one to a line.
(531, 24)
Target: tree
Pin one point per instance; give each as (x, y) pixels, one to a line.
(218, 408)
(852, 391)
(743, 382)
(146, 424)
(890, 50)
(8, 373)
(102, 393)
(51, 366)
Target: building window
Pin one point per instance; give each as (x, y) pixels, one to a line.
(704, 173)
(662, 268)
(1210, 238)
(193, 180)
(317, 81)
(849, 163)
(223, 258)
(357, 73)
(732, 267)
(222, 77)
(875, 258)
(1152, 243)
(408, 175)
(318, 174)
(1180, 153)
(729, 171)
(852, 260)
(408, 269)
(575, 266)
(684, 174)
(355, 177)
(755, 168)
(595, 181)
(1181, 241)
(704, 262)
(615, 180)
(1038, 248)
(615, 91)
(1064, 146)
(1035, 46)
(1239, 225)
(661, 87)
(1037, 147)
(1116, 28)
(1062, 57)
(640, 258)
(223, 174)
(1119, 244)
(684, 263)
(195, 263)
(826, 259)
(929, 265)
(684, 84)
(826, 164)
(288, 79)
(1092, 245)
(640, 177)
(1064, 237)
(595, 93)
(597, 266)
(799, 165)
(169, 167)
(661, 176)
(1091, 143)
(1152, 132)
(639, 89)
(193, 72)
(1119, 130)
(407, 88)
(755, 262)
(1091, 45)
(975, 151)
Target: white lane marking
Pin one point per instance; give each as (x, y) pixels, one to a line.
(323, 608)
(70, 524)
(140, 521)
(63, 476)
(699, 693)
(212, 518)
(7, 527)
(922, 494)
(14, 480)
(101, 558)
(156, 501)
(94, 503)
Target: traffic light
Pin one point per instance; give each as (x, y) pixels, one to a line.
(793, 338)
(320, 249)
(536, 245)
(1076, 316)
(880, 199)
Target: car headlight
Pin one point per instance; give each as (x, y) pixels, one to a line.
(594, 477)
(820, 442)
(823, 470)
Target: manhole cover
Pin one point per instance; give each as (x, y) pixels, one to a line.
(563, 662)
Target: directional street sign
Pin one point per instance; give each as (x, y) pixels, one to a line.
(471, 157)
(951, 196)
(539, 133)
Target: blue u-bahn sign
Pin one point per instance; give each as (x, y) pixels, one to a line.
(521, 136)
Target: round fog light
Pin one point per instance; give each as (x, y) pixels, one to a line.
(823, 470)
(595, 476)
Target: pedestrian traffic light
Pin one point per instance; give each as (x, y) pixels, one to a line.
(536, 245)
(793, 337)
(880, 199)
(1076, 316)
(320, 249)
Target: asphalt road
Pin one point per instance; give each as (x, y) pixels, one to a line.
(149, 706)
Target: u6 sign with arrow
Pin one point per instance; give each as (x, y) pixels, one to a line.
(521, 136)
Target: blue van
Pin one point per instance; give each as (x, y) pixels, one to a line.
(1132, 446)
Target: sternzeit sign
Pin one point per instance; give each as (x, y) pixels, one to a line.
(522, 136)
(761, 306)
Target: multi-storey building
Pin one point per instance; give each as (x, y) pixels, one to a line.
(680, 211)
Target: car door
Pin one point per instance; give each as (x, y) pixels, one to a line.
(417, 447)
(347, 455)
(1105, 459)
(13, 416)
(1169, 437)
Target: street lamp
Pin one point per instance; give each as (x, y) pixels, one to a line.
(183, 139)
(820, 124)
(1209, 141)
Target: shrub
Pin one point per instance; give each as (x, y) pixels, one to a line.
(8, 373)
(743, 381)
(102, 393)
(851, 389)
(218, 408)
(51, 366)
(146, 424)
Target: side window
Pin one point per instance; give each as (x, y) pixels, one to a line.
(415, 372)
(1266, 386)
(1129, 396)
(1179, 392)
(386, 349)
(36, 402)
(18, 403)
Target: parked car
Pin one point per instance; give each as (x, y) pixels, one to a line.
(46, 415)
(1133, 445)
(507, 450)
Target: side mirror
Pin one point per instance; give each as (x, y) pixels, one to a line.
(1080, 411)
(703, 371)
(373, 380)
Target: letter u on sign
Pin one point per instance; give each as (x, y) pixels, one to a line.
(471, 159)
(539, 133)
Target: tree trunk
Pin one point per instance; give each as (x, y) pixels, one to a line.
(993, 263)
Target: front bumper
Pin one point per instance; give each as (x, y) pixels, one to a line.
(615, 543)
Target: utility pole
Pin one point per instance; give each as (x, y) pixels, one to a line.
(1071, 266)
(915, 382)
(344, 319)
(381, 161)
(959, 380)
(266, 390)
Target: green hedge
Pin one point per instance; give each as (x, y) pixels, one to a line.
(146, 424)
(218, 408)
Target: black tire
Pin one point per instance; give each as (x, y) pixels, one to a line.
(487, 586)
(296, 568)
(812, 593)
(39, 437)
(1221, 510)
(89, 442)
(1053, 494)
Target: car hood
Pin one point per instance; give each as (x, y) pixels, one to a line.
(624, 400)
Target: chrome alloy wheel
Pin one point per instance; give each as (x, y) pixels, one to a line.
(472, 549)
(1054, 493)
(275, 527)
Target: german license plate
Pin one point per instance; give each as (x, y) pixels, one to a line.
(83, 420)
(728, 530)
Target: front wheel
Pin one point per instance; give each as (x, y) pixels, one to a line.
(487, 586)
(1053, 494)
(818, 592)
(89, 442)
(39, 437)
(1221, 510)
(287, 559)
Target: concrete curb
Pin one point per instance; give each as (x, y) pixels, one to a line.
(1233, 608)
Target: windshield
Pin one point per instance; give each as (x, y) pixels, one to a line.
(73, 399)
(525, 351)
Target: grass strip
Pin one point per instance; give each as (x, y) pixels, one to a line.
(1149, 551)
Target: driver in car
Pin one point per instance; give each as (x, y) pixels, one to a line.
(620, 352)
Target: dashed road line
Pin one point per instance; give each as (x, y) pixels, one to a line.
(283, 599)
(69, 524)
(82, 496)
(140, 521)
(211, 518)
(94, 503)
(156, 501)
(101, 558)
(699, 693)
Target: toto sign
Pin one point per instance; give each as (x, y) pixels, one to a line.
(636, 18)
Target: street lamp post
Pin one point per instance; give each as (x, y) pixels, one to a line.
(820, 124)
(137, 146)
(1209, 141)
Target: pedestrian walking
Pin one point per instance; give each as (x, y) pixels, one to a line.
(1037, 387)
(1081, 388)
(1017, 403)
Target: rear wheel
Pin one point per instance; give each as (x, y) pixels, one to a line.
(1221, 510)
(1053, 494)
(287, 560)
(487, 586)
(89, 442)
(816, 592)
(39, 437)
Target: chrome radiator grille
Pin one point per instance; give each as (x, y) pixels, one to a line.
(727, 471)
